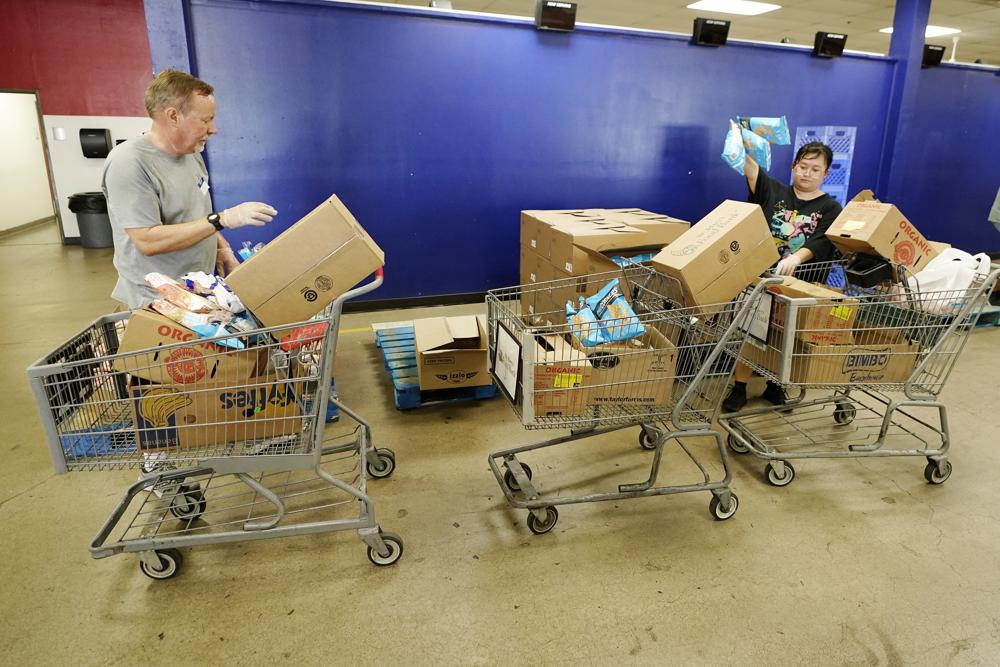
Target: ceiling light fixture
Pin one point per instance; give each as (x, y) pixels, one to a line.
(931, 31)
(741, 7)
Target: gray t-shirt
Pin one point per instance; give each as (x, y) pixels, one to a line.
(145, 187)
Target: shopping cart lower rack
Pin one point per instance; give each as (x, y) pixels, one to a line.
(240, 457)
(667, 376)
(880, 356)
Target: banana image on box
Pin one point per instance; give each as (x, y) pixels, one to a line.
(158, 405)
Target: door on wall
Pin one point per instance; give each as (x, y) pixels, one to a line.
(25, 176)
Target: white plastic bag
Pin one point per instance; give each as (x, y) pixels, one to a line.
(941, 288)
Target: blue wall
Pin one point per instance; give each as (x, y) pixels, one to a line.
(952, 157)
(436, 131)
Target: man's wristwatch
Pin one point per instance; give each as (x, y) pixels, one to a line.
(216, 221)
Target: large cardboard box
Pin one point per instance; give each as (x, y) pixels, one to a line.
(829, 321)
(881, 360)
(637, 372)
(307, 266)
(721, 254)
(192, 417)
(578, 242)
(878, 357)
(451, 352)
(560, 371)
(869, 226)
(198, 363)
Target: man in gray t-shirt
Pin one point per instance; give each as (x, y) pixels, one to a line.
(158, 193)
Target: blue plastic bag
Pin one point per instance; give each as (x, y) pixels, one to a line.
(734, 153)
(757, 148)
(615, 314)
(773, 130)
(584, 325)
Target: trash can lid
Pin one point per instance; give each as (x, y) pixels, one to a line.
(88, 202)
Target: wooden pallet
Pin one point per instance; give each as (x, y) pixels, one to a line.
(400, 361)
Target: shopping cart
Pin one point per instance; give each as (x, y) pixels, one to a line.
(881, 356)
(669, 380)
(238, 455)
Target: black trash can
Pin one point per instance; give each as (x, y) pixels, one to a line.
(91, 210)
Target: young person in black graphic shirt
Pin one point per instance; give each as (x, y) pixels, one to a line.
(799, 215)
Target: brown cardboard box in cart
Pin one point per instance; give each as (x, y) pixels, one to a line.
(560, 371)
(307, 266)
(869, 226)
(828, 322)
(197, 363)
(451, 352)
(638, 372)
(191, 417)
(721, 254)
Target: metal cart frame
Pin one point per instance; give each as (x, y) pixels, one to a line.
(708, 340)
(284, 480)
(895, 416)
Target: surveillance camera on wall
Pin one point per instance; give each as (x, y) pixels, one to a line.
(710, 32)
(829, 44)
(551, 15)
(932, 55)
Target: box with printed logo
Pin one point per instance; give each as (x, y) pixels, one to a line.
(561, 375)
(198, 363)
(827, 318)
(869, 226)
(638, 372)
(204, 416)
(720, 255)
(451, 352)
(307, 266)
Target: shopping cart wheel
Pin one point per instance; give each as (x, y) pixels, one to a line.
(386, 464)
(647, 439)
(937, 473)
(736, 444)
(542, 526)
(189, 503)
(773, 478)
(719, 514)
(511, 481)
(170, 564)
(395, 545)
(844, 413)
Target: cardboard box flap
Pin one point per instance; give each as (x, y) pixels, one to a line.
(795, 288)
(864, 195)
(464, 331)
(432, 334)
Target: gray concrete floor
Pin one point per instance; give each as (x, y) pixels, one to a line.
(857, 562)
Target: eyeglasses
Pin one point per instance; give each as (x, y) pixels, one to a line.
(807, 169)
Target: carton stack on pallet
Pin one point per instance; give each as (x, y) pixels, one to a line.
(558, 246)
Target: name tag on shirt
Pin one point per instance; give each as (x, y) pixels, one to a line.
(203, 185)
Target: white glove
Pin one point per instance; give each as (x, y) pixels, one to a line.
(787, 266)
(252, 213)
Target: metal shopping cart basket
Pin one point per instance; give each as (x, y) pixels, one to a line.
(668, 377)
(230, 442)
(880, 356)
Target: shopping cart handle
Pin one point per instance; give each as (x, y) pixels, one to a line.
(364, 289)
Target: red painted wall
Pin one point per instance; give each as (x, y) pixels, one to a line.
(85, 57)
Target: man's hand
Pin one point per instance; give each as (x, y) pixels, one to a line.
(225, 261)
(253, 213)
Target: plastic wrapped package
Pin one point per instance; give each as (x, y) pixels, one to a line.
(616, 316)
(734, 153)
(584, 325)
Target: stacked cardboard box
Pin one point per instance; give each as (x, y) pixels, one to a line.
(564, 244)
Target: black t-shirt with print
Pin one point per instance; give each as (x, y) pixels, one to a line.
(796, 223)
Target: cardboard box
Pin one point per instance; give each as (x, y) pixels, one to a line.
(882, 360)
(452, 352)
(307, 266)
(721, 254)
(879, 357)
(578, 242)
(192, 417)
(198, 363)
(868, 226)
(637, 372)
(559, 373)
(828, 322)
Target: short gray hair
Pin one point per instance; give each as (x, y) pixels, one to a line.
(173, 88)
